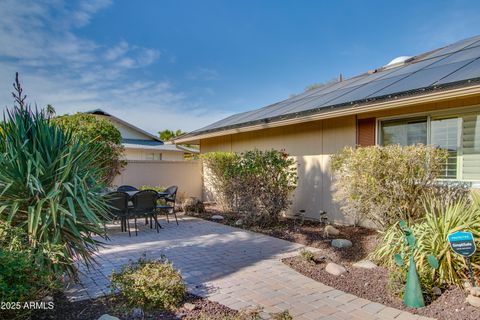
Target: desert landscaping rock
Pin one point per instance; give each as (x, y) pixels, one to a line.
(335, 269)
(366, 264)
(341, 243)
(474, 301)
(329, 231)
(475, 291)
(217, 217)
(437, 291)
(108, 317)
(189, 306)
(137, 313)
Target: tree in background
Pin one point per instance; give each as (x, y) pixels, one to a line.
(167, 134)
(105, 137)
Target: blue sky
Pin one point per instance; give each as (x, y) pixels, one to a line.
(184, 64)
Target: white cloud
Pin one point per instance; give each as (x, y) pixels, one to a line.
(202, 73)
(77, 74)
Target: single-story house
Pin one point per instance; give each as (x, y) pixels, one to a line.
(141, 145)
(431, 98)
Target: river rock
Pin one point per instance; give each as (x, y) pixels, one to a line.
(365, 264)
(474, 301)
(329, 231)
(475, 291)
(341, 243)
(137, 313)
(189, 306)
(437, 291)
(335, 269)
(217, 217)
(107, 317)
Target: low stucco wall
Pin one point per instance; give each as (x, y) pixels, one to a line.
(187, 175)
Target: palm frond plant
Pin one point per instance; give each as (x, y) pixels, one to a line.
(49, 187)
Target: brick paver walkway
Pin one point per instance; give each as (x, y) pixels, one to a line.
(237, 268)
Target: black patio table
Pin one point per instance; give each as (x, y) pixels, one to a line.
(160, 194)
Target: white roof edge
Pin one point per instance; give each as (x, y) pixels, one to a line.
(125, 123)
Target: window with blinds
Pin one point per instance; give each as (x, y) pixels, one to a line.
(458, 134)
(445, 135)
(471, 147)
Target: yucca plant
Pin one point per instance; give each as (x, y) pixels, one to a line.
(431, 232)
(48, 187)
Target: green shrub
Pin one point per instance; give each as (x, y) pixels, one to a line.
(156, 188)
(386, 184)
(102, 136)
(150, 284)
(257, 183)
(431, 233)
(49, 182)
(23, 281)
(307, 255)
(217, 181)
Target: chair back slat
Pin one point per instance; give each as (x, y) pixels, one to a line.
(118, 202)
(144, 201)
(125, 188)
(172, 193)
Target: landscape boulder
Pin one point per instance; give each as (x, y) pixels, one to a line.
(107, 317)
(365, 264)
(329, 231)
(341, 243)
(335, 269)
(217, 217)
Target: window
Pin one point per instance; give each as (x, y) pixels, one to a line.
(153, 156)
(404, 132)
(445, 134)
(458, 134)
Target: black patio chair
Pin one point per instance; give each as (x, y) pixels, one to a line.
(126, 188)
(169, 202)
(144, 205)
(118, 202)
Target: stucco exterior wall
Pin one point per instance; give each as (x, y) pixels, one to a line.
(140, 154)
(311, 144)
(187, 175)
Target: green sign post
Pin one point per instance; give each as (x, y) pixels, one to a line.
(462, 243)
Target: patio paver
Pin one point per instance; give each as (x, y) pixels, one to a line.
(234, 267)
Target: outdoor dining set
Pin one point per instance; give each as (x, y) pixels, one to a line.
(127, 202)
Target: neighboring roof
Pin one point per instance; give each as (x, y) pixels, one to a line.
(155, 145)
(104, 113)
(453, 66)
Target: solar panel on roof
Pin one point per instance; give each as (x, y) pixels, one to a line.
(455, 47)
(469, 71)
(365, 91)
(462, 55)
(454, 63)
(422, 79)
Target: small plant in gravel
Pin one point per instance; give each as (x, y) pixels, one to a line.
(284, 315)
(150, 284)
(307, 255)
